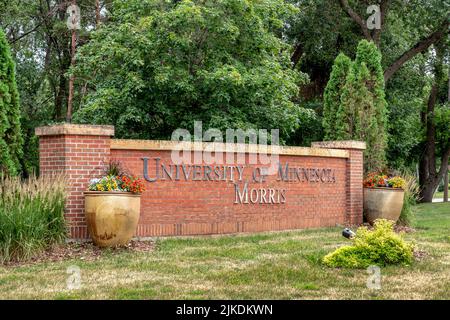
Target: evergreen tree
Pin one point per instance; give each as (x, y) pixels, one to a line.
(359, 102)
(11, 140)
(373, 120)
(332, 95)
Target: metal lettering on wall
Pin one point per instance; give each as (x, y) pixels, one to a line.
(244, 193)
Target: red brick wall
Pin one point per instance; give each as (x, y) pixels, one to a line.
(81, 158)
(204, 207)
(207, 207)
(354, 188)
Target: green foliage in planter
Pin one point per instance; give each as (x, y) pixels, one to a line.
(31, 216)
(380, 246)
(11, 140)
(114, 168)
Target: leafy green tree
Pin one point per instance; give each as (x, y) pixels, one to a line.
(159, 65)
(10, 132)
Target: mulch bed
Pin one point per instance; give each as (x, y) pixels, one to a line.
(85, 251)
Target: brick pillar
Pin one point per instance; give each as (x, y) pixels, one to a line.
(355, 171)
(81, 152)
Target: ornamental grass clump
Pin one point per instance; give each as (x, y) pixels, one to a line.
(412, 191)
(380, 246)
(31, 216)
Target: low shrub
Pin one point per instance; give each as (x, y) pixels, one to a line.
(380, 246)
(31, 216)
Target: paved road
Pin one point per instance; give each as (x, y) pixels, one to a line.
(438, 200)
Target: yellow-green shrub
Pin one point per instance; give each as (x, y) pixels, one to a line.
(380, 246)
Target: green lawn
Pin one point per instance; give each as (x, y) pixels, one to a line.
(281, 265)
(439, 195)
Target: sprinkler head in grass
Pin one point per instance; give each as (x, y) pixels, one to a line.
(349, 234)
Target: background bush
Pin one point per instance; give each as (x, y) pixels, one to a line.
(31, 216)
(380, 246)
(411, 198)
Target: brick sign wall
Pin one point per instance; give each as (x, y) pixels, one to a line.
(309, 187)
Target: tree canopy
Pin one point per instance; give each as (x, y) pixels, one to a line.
(156, 67)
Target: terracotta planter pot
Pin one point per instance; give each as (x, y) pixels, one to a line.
(383, 203)
(112, 217)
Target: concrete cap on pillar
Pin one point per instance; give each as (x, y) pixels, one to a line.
(75, 129)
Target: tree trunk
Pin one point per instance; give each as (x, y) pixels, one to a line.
(59, 100)
(427, 192)
(359, 20)
(298, 52)
(448, 168)
(429, 180)
(419, 47)
(71, 80)
(97, 13)
(427, 165)
(446, 186)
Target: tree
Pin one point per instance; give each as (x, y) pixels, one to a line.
(40, 42)
(332, 95)
(159, 65)
(435, 120)
(10, 132)
(357, 107)
(375, 125)
(440, 29)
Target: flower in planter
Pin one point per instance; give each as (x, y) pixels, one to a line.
(131, 184)
(397, 182)
(379, 180)
(122, 183)
(94, 181)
